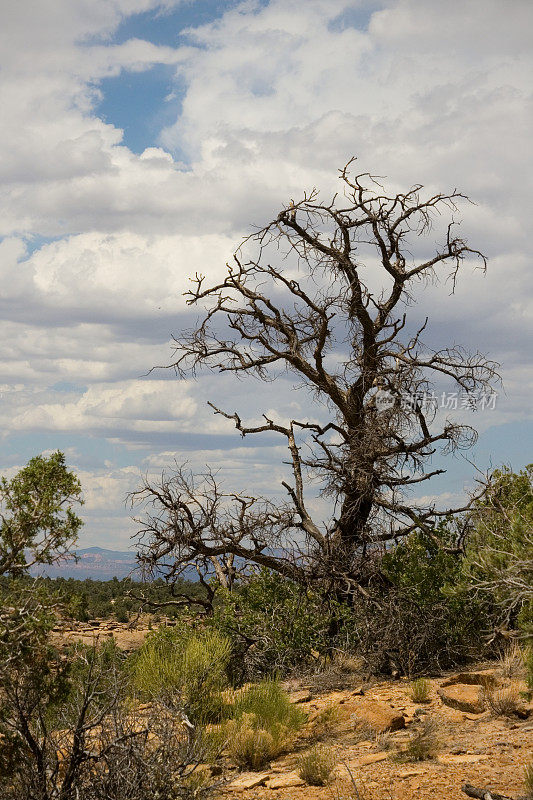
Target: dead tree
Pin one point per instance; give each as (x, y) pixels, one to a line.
(70, 729)
(297, 300)
(484, 794)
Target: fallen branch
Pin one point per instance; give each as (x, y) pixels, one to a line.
(483, 794)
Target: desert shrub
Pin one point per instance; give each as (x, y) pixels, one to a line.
(121, 612)
(416, 624)
(423, 743)
(339, 671)
(326, 721)
(384, 741)
(363, 730)
(503, 702)
(78, 608)
(420, 690)
(69, 729)
(276, 626)
(271, 706)
(264, 724)
(252, 747)
(512, 661)
(102, 665)
(187, 667)
(498, 561)
(316, 766)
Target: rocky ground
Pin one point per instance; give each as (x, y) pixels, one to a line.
(369, 726)
(127, 636)
(371, 729)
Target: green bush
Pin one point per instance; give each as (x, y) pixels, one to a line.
(271, 706)
(264, 724)
(498, 561)
(274, 625)
(423, 743)
(121, 613)
(418, 622)
(252, 747)
(326, 721)
(78, 608)
(187, 667)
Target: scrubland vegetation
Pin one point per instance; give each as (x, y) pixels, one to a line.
(95, 721)
(388, 585)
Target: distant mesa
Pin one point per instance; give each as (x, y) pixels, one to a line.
(93, 562)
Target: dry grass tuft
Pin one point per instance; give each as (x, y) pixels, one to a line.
(326, 721)
(423, 744)
(362, 729)
(316, 766)
(251, 748)
(384, 741)
(343, 671)
(420, 690)
(512, 661)
(265, 724)
(503, 702)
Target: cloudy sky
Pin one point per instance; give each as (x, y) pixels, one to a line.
(140, 140)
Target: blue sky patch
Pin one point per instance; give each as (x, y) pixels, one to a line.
(36, 242)
(164, 27)
(356, 17)
(135, 102)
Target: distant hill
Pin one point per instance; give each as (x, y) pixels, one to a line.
(93, 562)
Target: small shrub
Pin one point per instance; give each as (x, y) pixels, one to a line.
(271, 706)
(213, 740)
(340, 672)
(264, 724)
(512, 661)
(252, 747)
(384, 741)
(187, 668)
(503, 702)
(528, 780)
(197, 784)
(325, 721)
(423, 744)
(363, 729)
(315, 766)
(121, 615)
(420, 691)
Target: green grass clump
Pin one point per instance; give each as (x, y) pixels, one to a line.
(264, 724)
(420, 691)
(271, 706)
(186, 668)
(316, 766)
(252, 747)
